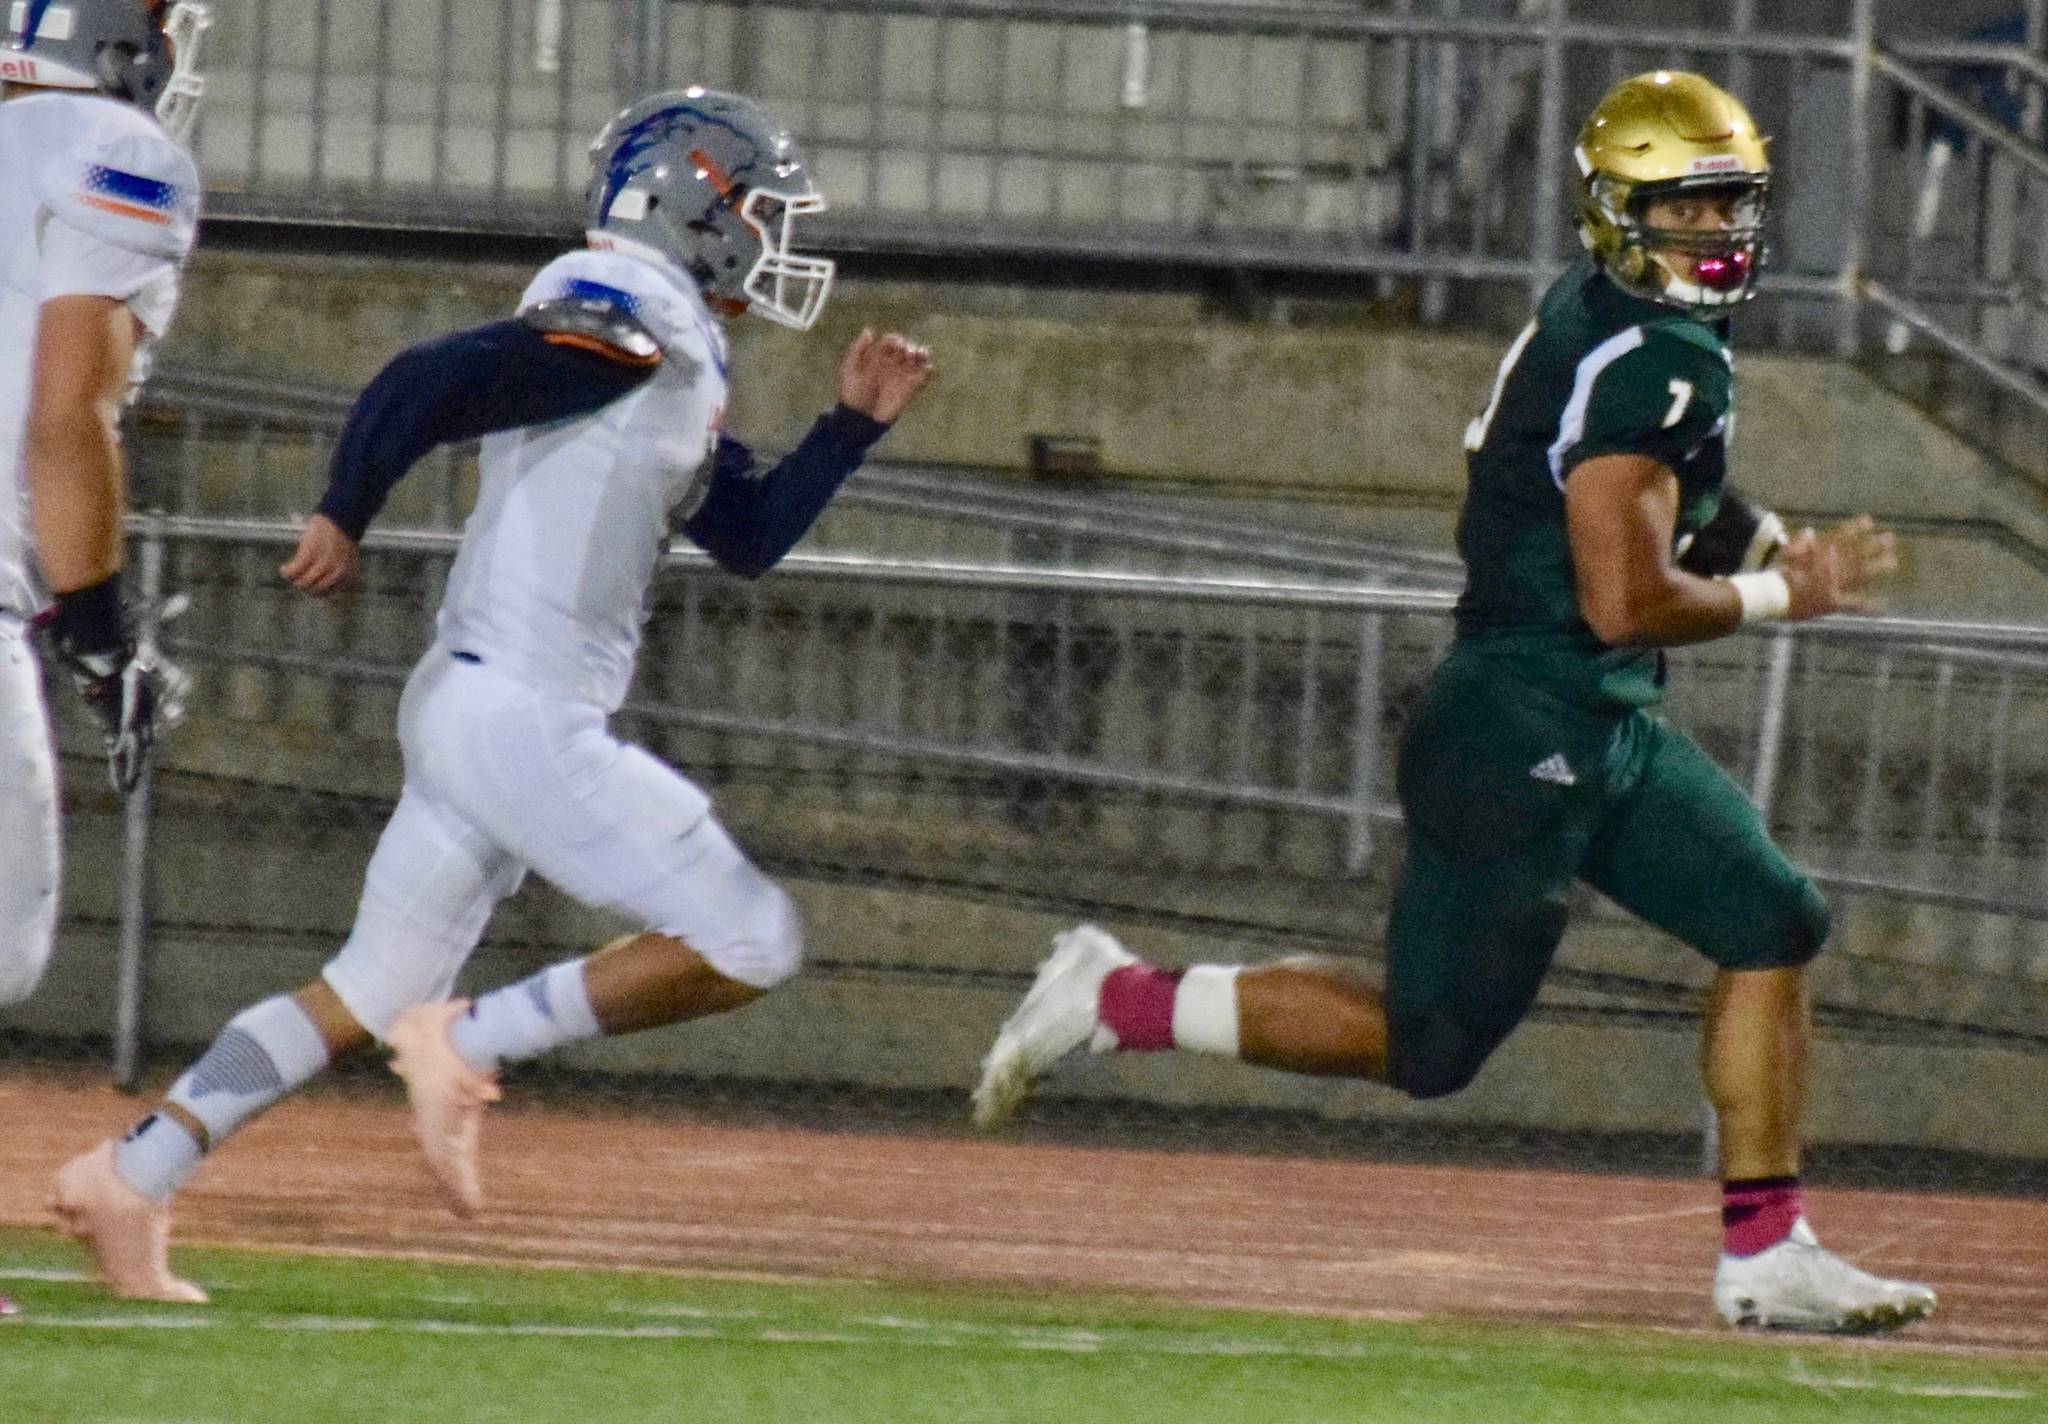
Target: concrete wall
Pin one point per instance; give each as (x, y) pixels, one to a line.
(914, 982)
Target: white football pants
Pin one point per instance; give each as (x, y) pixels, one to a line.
(500, 778)
(29, 856)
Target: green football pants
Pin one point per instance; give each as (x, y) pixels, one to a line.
(1510, 795)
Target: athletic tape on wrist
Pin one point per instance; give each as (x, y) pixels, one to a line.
(1765, 596)
(1205, 1010)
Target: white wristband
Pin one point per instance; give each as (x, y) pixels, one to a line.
(1765, 596)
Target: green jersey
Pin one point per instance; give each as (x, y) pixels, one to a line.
(1599, 372)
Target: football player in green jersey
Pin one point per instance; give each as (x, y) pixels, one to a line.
(1595, 532)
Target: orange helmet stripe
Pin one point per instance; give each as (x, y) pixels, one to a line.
(720, 180)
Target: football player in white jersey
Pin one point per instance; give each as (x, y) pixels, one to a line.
(97, 214)
(599, 406)
(95, 221)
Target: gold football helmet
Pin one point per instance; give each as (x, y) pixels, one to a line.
(1656, 136)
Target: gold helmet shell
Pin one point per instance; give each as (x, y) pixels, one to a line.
(1655, 136)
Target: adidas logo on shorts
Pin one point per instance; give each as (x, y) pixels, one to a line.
(1555, 770)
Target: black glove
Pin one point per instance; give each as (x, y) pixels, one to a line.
(1741, 538)
(132, 692)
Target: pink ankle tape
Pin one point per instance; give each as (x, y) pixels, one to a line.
(1756, 1216)
(1137, 1006)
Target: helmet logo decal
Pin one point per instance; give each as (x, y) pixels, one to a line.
(650, 132)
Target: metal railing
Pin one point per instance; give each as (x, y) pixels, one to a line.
(1300, 137)
(1965, 274)
(1308, 136)
(1203, 750)
(213, 443)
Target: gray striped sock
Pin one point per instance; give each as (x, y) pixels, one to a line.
(265, 1051)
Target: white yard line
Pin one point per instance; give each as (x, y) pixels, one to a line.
(884, 1331)
(1827, 1384)
(896, 1332)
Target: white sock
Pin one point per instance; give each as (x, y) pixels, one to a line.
(1205, 1010)
(265, 1051)
(526, 1019)
(156, 1156)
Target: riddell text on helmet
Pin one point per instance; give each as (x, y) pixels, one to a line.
(24, 70)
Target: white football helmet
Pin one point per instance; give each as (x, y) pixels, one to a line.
(144, 52)
(709, 182)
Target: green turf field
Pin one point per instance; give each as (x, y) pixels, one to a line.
(297, 1340)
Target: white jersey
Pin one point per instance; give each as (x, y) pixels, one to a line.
(98, 202)
(550, 586)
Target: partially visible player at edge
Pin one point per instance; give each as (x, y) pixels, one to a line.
(97, 216)
(1595, 531)
(599, 406)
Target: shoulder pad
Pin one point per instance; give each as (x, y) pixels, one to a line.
(1689, 348)
(594, 325)
(1666, 354)
(1699, 341)
(135, 190)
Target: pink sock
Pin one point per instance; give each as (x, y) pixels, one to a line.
(1757, 1215)
(1137, 1006)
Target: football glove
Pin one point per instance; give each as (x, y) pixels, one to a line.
(132, 691)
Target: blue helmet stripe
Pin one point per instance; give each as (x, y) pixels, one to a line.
(35, 21)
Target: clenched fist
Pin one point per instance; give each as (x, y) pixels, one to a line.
(880, 375)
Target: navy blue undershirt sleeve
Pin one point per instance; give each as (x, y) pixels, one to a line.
(750, 518)
(461, 387)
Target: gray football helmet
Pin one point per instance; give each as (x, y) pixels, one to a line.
(710, 183)
(145, 52)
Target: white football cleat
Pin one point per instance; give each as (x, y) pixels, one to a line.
(1058, 1015)
(127, 1235)
(1800, 1285)
(448, 1099)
